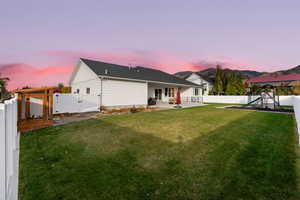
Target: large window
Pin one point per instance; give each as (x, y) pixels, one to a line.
(169, 92)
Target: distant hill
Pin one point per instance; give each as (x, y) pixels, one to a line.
(295, 70)
(210, 73)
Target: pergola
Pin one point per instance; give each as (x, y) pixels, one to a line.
(45, 93)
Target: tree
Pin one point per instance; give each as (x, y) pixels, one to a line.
(255, 89)
(228, 83)
(3, 91)
(241, 90)
(235, 85)
(60, 85)
(218, 87)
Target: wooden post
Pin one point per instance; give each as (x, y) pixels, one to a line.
(27, 107)
(20, 105)
(45, 106)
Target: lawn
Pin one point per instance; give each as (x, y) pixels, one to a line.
(194, 153)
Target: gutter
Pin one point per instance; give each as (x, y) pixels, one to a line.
(101, 93)
(145, 81)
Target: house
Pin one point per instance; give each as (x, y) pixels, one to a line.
(118, 85)
(287, 80)
(194, 77)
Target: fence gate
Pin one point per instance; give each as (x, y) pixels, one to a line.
(75, 103)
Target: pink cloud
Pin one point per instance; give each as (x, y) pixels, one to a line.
(21, 74)
(157, 60)
(59, 65)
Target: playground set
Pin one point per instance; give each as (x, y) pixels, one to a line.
(267, 100)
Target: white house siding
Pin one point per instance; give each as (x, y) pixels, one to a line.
(85, 78)
(194, 78)
(123, 93)
(188, 92)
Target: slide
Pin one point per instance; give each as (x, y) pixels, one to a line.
(255, 100)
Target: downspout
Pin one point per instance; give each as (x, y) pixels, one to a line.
(101, 90)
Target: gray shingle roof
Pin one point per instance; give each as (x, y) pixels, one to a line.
(135, 73)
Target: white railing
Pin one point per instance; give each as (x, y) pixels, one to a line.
(9, 150)
(192, 99)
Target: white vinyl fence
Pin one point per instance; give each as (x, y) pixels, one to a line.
(75, 103)
(296, 102)
(9, 150)
(284, 100)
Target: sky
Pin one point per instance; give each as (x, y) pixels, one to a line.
(41, 41)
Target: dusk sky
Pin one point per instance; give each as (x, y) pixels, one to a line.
(41, 41)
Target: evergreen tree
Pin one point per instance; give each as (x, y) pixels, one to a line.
(255, 89)
(241, 90)
(228, 83)
(218, 87)
(231, 87)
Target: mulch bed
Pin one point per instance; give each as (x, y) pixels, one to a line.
(34, 124)
(281, 110)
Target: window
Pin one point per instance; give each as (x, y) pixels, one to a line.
(169, 92)
(196, 91)
(77, 91)
(158, 94)
(88, 90)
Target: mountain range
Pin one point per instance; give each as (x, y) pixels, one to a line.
(210, 73)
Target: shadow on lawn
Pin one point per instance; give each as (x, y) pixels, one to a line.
(246, 159)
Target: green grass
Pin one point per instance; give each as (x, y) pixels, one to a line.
(195, 153)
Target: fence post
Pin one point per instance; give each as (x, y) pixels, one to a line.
(9, 150)
(2, 153)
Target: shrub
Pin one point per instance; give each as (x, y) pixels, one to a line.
(134, 110)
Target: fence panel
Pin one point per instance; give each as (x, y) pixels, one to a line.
(284, 100)
(229, 99)
(75, 103)
(9, 150)
(296, 102)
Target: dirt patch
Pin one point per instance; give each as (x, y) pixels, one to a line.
(34, 124)
(278, 110)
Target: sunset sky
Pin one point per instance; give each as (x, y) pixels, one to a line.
(41, 41)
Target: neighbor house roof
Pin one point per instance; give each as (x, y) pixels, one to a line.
(134, 73)
(275, 78)
(186, 74)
